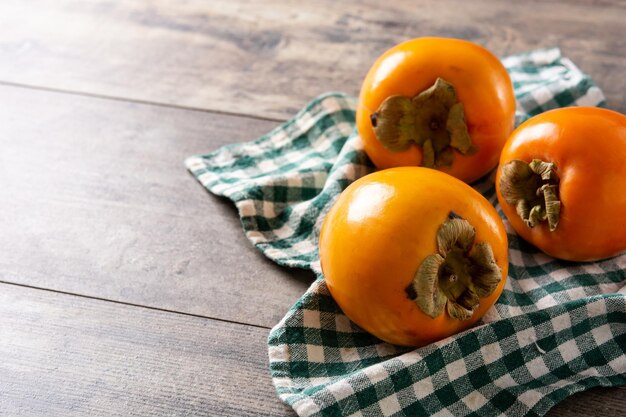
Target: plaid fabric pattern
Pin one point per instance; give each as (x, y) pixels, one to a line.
(558, 328)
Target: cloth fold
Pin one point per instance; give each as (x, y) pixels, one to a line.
(558, 328)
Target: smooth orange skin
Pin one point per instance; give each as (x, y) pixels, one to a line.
(481, 83)
(588, 146)
(377, 234)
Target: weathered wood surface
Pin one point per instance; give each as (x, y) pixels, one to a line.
(595, 402)
(269, 58)
(95, 200)
(69, 356)
(64, 355)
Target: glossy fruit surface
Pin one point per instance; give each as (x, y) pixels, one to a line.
(381, 232)
(479, 82)
(586, 148)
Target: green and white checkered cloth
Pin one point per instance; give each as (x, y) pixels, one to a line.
(558, 328)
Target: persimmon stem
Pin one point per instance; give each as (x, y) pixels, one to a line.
(533, 189)
(458, 275)
(434, 120)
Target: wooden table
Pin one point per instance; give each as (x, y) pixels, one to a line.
(125, 288)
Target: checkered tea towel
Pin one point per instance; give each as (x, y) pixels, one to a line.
(558, 327)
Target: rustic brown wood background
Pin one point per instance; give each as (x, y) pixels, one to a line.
(125, 289)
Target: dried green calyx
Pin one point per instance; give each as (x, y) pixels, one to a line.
(533, 189)
(434, 120)
(458, 275)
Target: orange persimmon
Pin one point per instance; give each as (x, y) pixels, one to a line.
(441, 103)
(562, 182)
(413, 255)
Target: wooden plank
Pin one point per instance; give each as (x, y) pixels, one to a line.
(96, 200)
(69, 356)
(64, 355)
(593, 403)
(268, 60)
(115, 216)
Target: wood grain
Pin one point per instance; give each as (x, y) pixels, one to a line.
(593, 403)
(64, 355)
(69, 356)
(268, 59)
(96, 200)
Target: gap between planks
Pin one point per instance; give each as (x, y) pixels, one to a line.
(124, 303)
(139, 101)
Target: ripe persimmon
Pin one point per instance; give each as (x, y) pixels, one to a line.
(413, 255)
(562, 182)
(440, 103)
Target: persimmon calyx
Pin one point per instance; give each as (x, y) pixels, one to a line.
(434, 120)
(458, 275)
(533, 189)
